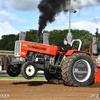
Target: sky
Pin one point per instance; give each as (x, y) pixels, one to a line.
(23, 15)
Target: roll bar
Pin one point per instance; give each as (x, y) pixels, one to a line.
(80, 43)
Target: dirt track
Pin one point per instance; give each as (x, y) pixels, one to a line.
(42, 90)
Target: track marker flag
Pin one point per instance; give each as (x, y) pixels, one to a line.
(46, 38)
(22, 36)
(94, 47)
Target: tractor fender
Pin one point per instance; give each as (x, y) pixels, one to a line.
(70, 52)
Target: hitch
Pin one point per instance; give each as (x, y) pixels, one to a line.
(51, 71)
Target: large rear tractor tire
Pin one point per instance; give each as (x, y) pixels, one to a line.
(53, 78)
(78, 70)
(29, 70)
(12, 71)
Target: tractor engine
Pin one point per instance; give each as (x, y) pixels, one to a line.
(39, 58)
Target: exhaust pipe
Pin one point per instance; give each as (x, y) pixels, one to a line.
(38, 39)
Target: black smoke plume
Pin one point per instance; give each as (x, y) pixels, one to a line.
(49, 9)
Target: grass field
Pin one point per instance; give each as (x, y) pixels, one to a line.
(2, 71)
(21, 78)
(5, 71)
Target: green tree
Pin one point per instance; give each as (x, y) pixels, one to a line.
(32, 35)
(84, 36)
(7, 42)
(56, 37)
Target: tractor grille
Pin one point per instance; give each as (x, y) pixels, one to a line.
(17, 48)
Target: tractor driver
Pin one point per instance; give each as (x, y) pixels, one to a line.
(65, 49)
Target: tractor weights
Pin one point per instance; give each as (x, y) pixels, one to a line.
(97, 75)
(97, 71)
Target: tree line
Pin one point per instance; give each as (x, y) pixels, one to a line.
(56, 37)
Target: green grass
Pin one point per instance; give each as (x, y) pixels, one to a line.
(3, 71)
(36, 78)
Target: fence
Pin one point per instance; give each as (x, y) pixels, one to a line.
(5, 53)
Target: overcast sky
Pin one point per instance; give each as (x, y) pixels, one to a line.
(23, 15)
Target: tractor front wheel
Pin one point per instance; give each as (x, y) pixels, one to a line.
(12, 71)
(29, 70)
(78, 70)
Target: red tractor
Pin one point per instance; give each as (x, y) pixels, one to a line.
(75, 69)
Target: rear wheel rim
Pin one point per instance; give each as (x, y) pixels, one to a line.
(81, 70)
(30, 70)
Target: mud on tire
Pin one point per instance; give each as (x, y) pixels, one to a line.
(53, 78)
(78, 70)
